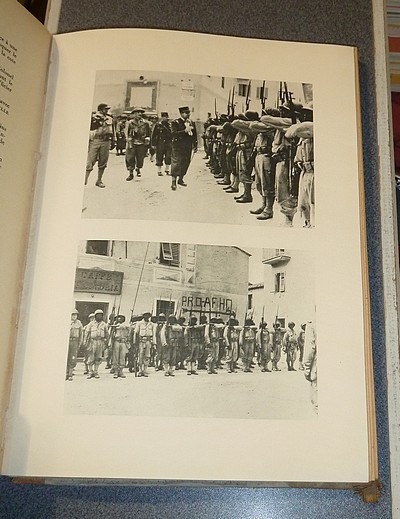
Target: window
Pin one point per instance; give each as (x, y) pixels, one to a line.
(279, 252)
(250, 301)
(165, 307)
(170, 254)
(260, 94)
(280, 282)
(242, 89)
(222, 82)
(99, 247)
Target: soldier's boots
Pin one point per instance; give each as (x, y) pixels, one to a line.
(87, 176)
(130, 176)
(138, 173)
(173, 185)
(99, 182)
(261, 208)
(246, 197)
(181, 182)
(288, 221)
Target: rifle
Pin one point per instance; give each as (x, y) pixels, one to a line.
(248, 100)
(229, 104)
(289, 99)
(232, 102)
(133, 306)
(215, 107)
(262, 96)
(294, 174)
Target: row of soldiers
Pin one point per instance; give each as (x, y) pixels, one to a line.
(171, 343)
(274, 150)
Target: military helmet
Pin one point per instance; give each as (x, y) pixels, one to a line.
(270, 110)
(251, 115)
(181, 320)
(162, 318)
(99, 311)
(172, 319)
(203, 319)
(291, 324)
(193, 320)
(103, 106)
(138, 109)
(307, 112)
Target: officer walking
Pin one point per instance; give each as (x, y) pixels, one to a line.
(138, 140)
(184, 141)
(101, 140)
(161, 141)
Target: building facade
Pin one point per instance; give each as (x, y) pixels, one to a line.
(167, 91)
(182, 279)
(288, 290)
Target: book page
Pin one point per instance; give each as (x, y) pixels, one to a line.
(237, 294)
(22, 85)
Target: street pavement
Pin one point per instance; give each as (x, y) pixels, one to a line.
(150, 197)
(277, 395)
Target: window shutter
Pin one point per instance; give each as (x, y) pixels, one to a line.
(166, 250)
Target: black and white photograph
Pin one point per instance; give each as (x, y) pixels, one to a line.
(192, 330)
(180, 147)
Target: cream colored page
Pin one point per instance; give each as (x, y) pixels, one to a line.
(43, 440)
(24, 50)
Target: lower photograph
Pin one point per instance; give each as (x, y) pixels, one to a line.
(192, 330)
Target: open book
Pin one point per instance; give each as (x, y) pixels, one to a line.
(178, 229)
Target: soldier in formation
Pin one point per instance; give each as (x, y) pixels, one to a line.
(200, 344)
(120, 333)
(274, 151)
(96, 339)
(75, 342)
(144, 335)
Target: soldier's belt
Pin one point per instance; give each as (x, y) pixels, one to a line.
(244, 146)
(145, 338)
(264, 150)
(280, 157)
(120, 339)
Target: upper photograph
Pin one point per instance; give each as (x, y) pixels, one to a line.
(198, 148)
